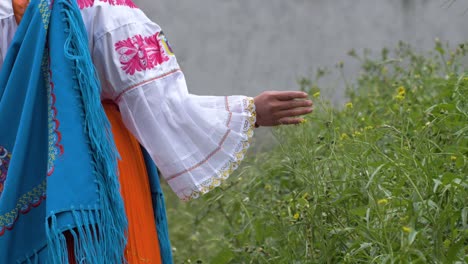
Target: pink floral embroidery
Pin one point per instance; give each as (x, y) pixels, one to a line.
(128, 3)
(140, 53)
(85, 3)
(89, 3)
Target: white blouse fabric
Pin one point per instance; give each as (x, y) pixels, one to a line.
(7, 28)
(196, 141)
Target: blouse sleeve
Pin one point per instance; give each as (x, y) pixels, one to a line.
(196, 141)
(7, 28)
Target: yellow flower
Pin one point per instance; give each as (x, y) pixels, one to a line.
(268, 187)
(317, 94)
(401, 89)
(382, 202)
(357, 133)
(406, 229)
(368, 127)
(296, 216)
(400, 97)
(303, 121)
(349, 105)
(344, 136)
(453, 158)
(401, 93)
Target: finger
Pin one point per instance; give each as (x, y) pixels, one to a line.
(289, 95)
(290, 121)
(284, 105)
(293, 112)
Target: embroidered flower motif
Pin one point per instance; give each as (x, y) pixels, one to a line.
(5, 157)
(128, 3)
(89, 3)
(141, 53)
(85, 3)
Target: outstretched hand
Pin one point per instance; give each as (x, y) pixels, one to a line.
(281, 107)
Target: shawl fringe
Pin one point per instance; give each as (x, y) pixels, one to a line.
(99, 234)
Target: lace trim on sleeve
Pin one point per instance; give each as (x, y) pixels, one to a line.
(230, 165)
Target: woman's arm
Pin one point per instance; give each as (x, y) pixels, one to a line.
(196, 141)
(19, 7)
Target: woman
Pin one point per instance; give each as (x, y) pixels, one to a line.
(196, 141)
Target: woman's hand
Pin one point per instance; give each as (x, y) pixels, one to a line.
(281, 107)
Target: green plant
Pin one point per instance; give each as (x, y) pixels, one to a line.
(383, 179)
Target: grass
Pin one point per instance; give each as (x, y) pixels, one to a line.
(381, 179)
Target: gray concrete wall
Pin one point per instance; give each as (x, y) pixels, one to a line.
(244, 47)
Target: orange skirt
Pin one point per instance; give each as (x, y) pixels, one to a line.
(142, 245)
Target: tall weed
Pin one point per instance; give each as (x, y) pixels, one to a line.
(382, 179)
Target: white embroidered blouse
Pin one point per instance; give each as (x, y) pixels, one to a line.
(196, 141)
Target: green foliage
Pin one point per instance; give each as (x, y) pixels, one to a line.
(383, 179)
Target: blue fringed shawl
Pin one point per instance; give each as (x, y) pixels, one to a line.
(56, 145)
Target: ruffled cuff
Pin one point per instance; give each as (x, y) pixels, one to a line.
(196, 141)
(239, 117)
